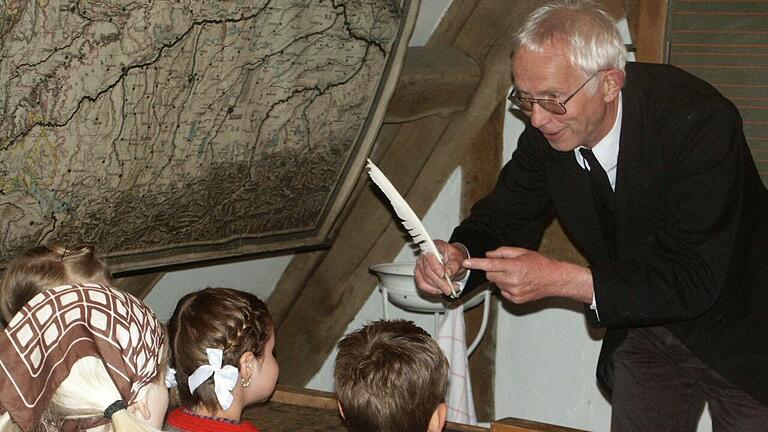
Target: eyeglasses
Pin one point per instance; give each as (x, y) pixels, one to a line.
(555, 107)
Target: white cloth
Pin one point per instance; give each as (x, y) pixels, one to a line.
(224, 378)
(451, 338)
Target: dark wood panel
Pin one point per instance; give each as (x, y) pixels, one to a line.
(726, 44)
(294, 409)
(511, 424)
(721, 7)
(713, 36)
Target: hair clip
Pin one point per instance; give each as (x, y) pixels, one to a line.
(113, 408)
(224, 378)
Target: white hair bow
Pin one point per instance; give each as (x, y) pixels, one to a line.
(170, 377)
(224, 378)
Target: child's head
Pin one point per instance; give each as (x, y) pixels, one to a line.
(238, 324)
(391, 376)
(82, 356)
(44, 267)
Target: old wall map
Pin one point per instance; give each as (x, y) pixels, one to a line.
(171, 131)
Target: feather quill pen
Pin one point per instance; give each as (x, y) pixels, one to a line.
(408, 217)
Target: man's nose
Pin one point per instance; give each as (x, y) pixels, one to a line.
(539, 116)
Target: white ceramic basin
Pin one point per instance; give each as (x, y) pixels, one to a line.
(398, 280)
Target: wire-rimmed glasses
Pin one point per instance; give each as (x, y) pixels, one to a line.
(525, 104)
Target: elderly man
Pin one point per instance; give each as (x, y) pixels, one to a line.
(648, 170)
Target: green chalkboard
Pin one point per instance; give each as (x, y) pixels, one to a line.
(725, 42)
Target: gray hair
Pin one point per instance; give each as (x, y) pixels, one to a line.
(592, 35)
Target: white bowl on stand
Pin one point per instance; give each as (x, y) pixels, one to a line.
(397, 279)
(398, 287)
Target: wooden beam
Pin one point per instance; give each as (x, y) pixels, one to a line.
(479, 174)
(482, 362)
(298, 409)
(341, 282)
(423, 153)
(138, 286)
(291, 283)
(651, 31)
(615, 8)
(294, 409)
(633, 9)
(304, 397)
(434, 81)
(511, 424)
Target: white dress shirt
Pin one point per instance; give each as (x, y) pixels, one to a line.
(606, 152)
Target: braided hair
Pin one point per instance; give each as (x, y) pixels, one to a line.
(234, 321)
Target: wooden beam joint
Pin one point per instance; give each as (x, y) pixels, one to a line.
(433, 81)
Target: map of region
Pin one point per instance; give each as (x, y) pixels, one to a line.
(177, 130)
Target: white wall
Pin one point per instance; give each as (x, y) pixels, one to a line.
(258, 277)
(430, 14)
(546, 354)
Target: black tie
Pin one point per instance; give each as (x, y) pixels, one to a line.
(599, 178)
(603, 193)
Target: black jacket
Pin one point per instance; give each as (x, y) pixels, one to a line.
(691, 215)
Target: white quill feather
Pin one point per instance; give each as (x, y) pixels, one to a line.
(408, 217)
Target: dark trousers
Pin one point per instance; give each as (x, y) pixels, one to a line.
(658, 385)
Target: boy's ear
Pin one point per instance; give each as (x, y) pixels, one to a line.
(437, 422)
(341, 409)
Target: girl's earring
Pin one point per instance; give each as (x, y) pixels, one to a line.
(244, 382)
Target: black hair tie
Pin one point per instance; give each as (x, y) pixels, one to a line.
(115, 407)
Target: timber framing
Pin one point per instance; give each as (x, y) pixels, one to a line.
(651, 30)
(424, 153)
(479, 174)
(434, 81)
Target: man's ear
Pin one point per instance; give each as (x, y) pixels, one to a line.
(612, 83)
(341, 409)
(437, 422)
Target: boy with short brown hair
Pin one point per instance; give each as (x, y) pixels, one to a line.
(391, 376)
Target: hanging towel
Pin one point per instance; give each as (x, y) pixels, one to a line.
(451, 338)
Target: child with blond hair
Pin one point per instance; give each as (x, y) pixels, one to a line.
(81, 357)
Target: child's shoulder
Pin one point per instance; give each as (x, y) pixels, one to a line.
(183, 420)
